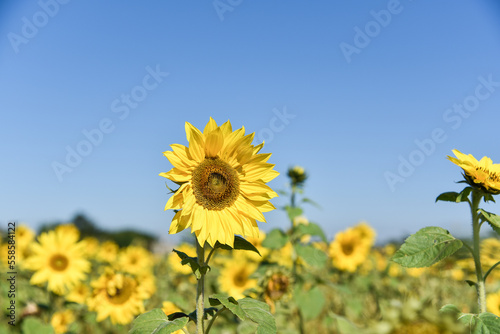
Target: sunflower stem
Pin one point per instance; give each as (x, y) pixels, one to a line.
(214, 317)
(200, 291)
(481, 292)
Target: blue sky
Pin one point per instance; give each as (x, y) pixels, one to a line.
(370, 97)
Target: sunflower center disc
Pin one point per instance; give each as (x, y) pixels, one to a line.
(123, 294)
(59, 262)
(215, 184)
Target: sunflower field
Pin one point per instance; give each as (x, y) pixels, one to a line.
(229, 276)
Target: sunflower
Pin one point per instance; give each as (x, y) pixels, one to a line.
(117, 296)
(493, 303)
(348, 250)
(107, 252)
(222, 181)
(57, 260)
(483, 174)
(490, 251)
(134, 260)
(61, 321)
(234, 278)
(277, 286)
(366, 233)
(169, 308)
(78, 294)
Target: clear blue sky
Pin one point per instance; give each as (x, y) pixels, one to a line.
(361, 82)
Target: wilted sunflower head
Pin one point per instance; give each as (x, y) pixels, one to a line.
(222, 180)
(483, 174)
(297, 175)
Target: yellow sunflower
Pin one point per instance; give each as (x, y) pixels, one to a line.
(222, 181)
(107, 252)
(134, 260)
(493, 303)
(61, 321)
(117, 296)
(490, 251)
(348, 250)
(169, 308)
(78, 294)
(366, 233)
(234, 277)
(483, 174)
(57, 260)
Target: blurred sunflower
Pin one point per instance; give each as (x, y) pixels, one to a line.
(169, 308)
(490, 251)
(348, 251)
(134, 260)
(91, 246)
(234, 277)
(24, 237)
(276, 287)
(71, 232)
(60, 321)
(222, 181)
(117, 296)
(493, 303)
(57, 260)
(107, 252)
(483, 174)
(78, 294)
(366, 233)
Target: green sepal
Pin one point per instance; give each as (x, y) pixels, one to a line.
(471, 283)
(156, 321)
(492, 219)
(275, 239)
(240, 244)
(190, 261)
(426, 247)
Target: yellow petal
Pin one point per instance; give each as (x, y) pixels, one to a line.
(211, 126)
(213, 143)
(196, 142)
(177, 175)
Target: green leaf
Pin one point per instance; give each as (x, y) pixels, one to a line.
(293, 212)
(229, 302)
(311, 255)
(426, 247)
(311, 229)
(190, 261)
(258, 312)
(492, 219)
(450, 308)
(275, 239)
(454, 196)
(483, 323)
(310, 302)
(345, 326)
(310, 201)
(239, 243)
(156, 322)
(32, 325)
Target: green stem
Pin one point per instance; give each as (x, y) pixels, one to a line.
(200, 291)
(213, 318)
(481, 292)
(489, 270)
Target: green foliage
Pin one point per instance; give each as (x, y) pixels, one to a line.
(156, 322)
(239, 243)
(248, 309)
(492, 219)
(309, 229)
(275, 239)
(454, 196)
(426, 247)
(483, 323)
(310, 302)
(35, 326)
(311, 255)
(293, 212)
(190, 261)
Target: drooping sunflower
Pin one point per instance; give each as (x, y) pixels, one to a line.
(222, 180)
(57, 260)
(348, 250)
(117, 296)
(482, 174)
(234, 277)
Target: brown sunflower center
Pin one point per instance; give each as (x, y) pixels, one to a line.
(59, 262)
(123, 294)
(347, 248)
(240, 279)
(277, 286)
(215, 184)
